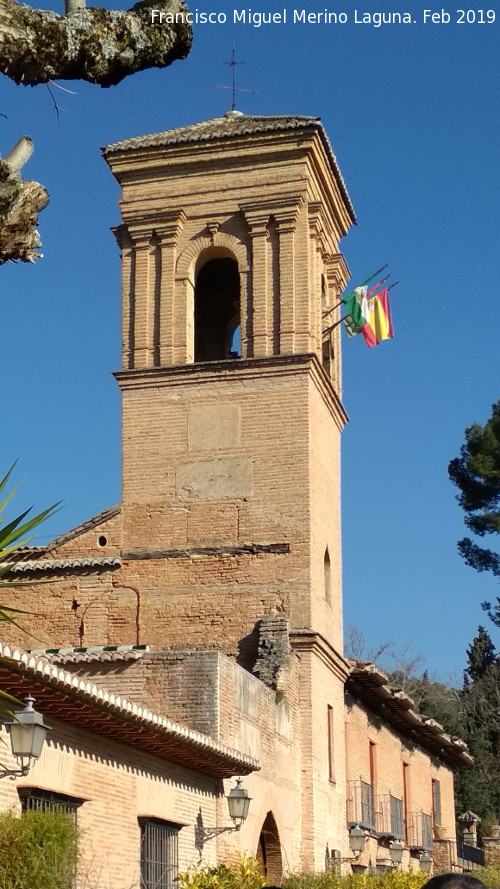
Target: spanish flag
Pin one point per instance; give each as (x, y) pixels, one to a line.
(378, 325)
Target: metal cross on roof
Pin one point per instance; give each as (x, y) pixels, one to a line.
(234, 89)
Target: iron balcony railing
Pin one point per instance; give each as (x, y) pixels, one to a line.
(470, 854)
(360, 804)
(389, 818)
(419, 831)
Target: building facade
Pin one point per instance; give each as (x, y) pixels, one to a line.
(221, 568)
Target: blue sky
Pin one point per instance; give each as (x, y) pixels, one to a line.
(412, 114)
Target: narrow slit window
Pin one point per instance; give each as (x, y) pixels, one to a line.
(327, 576)
(331, 743)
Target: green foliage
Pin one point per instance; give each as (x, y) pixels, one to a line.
(477, 474)
(490, 876)
(37, 849)
(478, 788)
(436, 700)
(480, 656)
(17, 532)
(245, 874)
(13, 535)
(329, 880)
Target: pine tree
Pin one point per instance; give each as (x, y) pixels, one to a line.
(477, 474)
(480, 656)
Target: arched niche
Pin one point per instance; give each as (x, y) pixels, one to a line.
(190, 263)
(269, 850)
(217, 306)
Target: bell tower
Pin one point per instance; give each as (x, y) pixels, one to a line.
(231, 384)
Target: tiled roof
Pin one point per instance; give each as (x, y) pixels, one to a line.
(23, 554)
(232, 125)
(370, 685)
(95, 653)
(64, 696)
(96, 520)
(48, 566)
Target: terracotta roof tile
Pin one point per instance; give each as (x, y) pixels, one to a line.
(80, 565)
(65, 696)
(95, 653)
(370, 685)
(233, 124)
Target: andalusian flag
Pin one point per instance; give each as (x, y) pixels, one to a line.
(355, 304)
(378, 324)
(357, 308)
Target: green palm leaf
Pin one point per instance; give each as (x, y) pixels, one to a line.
(14, 535)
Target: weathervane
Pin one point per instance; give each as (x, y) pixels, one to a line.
(234, 89)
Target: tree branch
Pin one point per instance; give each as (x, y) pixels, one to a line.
(20, 204)
(98, 45)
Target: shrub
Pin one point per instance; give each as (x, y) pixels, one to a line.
(490, 876)
(329, 880)
(246, 874)
(37, 849)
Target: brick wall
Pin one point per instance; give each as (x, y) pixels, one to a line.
(392, 757)
(118, 785)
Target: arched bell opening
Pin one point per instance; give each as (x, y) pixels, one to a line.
(217, 310)
(269, 850)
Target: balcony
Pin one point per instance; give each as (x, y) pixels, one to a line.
(419, 831)
(360, 804)
(389, 818)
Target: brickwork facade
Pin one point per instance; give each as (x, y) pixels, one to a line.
(403, 777)
(224, 556)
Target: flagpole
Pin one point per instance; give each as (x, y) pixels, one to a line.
(329, 311)
(333, 326)
(348, 315)
(367, 281)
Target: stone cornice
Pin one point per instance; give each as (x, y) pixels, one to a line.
(337, 271)
(313, 642)
(165, 224)
(241, 368)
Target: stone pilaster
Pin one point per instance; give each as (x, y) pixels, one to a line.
(443, 856)
(172, 318)
(141, 323)
(261, 309)
(491, 849)
(286, 233)
(127, 257)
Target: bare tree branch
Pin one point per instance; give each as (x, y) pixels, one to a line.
(20, 204)
(98, 45)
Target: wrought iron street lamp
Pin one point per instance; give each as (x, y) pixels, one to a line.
(357, 839)
(425, 862)
(27, 733)
(396, 849)
(238, 803)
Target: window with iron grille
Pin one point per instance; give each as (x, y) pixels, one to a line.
(36, 799)
(333, 861)
(367, 806)
(159, 853)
